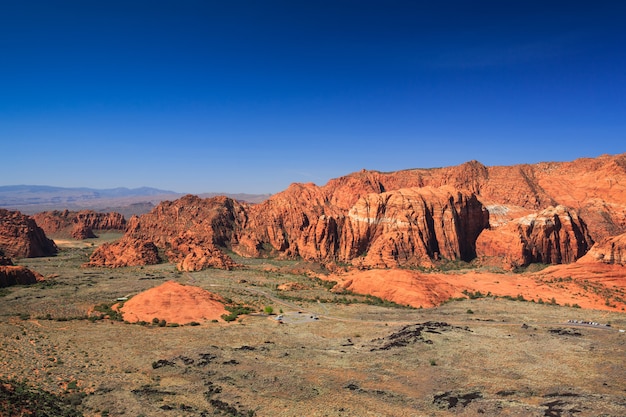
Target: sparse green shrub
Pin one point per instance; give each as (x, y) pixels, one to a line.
(269, 310)
(235, 311)
(107, 310)
(162, 323)
(20, 399)
(469, 311)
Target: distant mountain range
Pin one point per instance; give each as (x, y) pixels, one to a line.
(31, 199)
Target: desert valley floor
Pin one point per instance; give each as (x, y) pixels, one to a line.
(319, 353)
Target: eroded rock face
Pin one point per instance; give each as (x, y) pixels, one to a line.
(553, 236)
(401, 227)
(414, 226)
(191, 255)
(609, 251)
(126, 252)
(411, 217)
(78, 224)
(189, 230)
(20, 237)
(17, 275)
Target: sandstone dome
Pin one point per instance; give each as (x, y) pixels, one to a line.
(174, 303)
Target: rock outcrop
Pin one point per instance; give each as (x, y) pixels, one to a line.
(190, 231)
(81, 231)
(552, 236)
(522, 214)
(403, 227)
(18, 275)
(609, 251)
(78, 224)
(189, 254)
(126, 252)
(414, 226)
(20, 237)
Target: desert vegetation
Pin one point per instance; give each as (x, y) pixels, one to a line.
(67, 349)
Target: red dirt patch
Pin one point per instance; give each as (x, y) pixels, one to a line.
(174, 303)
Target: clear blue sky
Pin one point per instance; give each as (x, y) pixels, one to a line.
(250, 96)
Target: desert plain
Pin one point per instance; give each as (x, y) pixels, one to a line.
(319, 353)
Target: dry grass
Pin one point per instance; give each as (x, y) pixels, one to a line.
(484, 362)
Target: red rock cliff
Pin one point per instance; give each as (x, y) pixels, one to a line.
(403, 227)
(78, 224)
(20, 237)
(409, 217)
(189, 230)
(553, 236)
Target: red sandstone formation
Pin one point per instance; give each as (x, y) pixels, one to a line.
(190, 230)
(192, 255)
(174, 303)
(126, 252)
(610, 251)
(411, 217)
(402, 227)
(81, 231)
(414, 226)
(17, 275)
(554, 235)
(587, 286)
(20, 237)
(78, 224)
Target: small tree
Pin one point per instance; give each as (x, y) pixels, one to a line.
(268, 309)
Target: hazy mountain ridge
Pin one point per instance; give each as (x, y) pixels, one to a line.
(31, 199)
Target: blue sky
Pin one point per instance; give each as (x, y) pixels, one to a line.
(250, 96)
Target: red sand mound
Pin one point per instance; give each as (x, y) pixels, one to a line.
(174, 303)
